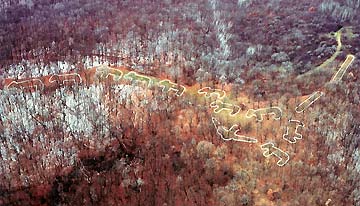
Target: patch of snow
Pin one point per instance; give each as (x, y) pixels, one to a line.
(26, 69)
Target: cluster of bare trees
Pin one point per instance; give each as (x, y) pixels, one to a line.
(172, 38)
(125, 145)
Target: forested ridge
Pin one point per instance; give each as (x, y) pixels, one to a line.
(179, 102)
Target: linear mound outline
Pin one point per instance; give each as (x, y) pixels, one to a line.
(309, 101)
(343, 68)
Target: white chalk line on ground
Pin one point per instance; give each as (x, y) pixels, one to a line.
(259, 113)
(269, 149)
(232, 131)
(296, 135)
(178, 89)
(208, 91)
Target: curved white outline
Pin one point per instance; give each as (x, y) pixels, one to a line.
(31, 85)
(263, 111)
(298, 125)
(134, 76)
(212, 92)
(64, 79)
(343, 68)
(306, 104)
(278, 153)
(109, 72)
(172, 88)
(233, 130)
(224, 106)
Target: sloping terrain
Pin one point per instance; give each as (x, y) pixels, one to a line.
(179, 103)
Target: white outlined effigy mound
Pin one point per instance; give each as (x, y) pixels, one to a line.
(293, 127)
(232, 133)
(36, 84)
(292, 133)
(259, 113)
(209, 92)
(103, 72)
(133, 76)
(269, 150)
(343, 68)
(168, 86)
(219, 106)
(308, 101)
(66, 79)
